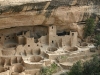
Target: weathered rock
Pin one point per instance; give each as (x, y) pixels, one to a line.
(67, 14)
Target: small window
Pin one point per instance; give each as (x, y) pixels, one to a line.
(52, 41)
(37, 45)
(72, 34)
(12, 37)
(7, 36)
(28, 45)
(52, 27)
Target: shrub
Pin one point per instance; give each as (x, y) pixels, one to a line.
(89, 27)
(97, 38)
(91, 67)
(76, 69)
(49, 70)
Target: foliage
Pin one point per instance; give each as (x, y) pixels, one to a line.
(89, 27)
(76, 69)
(61, 58)
(97, 38)
(49, 70)
(91, 67)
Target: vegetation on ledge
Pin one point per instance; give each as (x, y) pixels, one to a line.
(91, 67)
(89, 27)
(49, 70)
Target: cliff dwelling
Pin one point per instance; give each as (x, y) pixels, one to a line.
(38, 33)
(25, 50)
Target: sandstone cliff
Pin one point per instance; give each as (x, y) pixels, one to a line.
(66, 14)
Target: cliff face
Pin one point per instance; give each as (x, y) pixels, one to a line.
(66, 14)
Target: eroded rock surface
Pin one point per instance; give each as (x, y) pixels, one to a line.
(69, 14)
(35, 33)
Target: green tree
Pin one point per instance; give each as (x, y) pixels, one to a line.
(91, 67)
(97, 38)
(76, 69)
(89, 27)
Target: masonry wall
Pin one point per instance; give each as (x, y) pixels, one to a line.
(21, 40)
(33, 72)
(2, 39)
(44, 40)
(32, 66)
(52, 35)
(20, 50)
(66, 40)
(8, 51)
(73, 38)
(54, 40)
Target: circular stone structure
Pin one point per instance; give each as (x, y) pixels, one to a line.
(73, 49)
(52, 49)
(84, 44)
(35, 58)
(18, 68)
(14, 73)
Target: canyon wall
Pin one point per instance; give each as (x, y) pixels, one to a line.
(66, 14)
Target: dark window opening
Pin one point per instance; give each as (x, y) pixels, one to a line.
(72, 34)
(9, 38)
(52, 27)
(37, 45)
(36, 40)
(28, 45)
(52, 41)
(20, 33)
(67, 33)
(63, 33)
(12, 37)
(37, 35)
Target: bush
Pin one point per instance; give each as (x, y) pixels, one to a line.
(76, 69)
(89, 27)
(97, 38)
(49, 70)
(91, 67)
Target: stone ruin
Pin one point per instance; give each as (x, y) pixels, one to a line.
(25, 52)
(36, 33)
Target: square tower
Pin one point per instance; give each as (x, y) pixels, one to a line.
(73, 38)
(52, 35)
